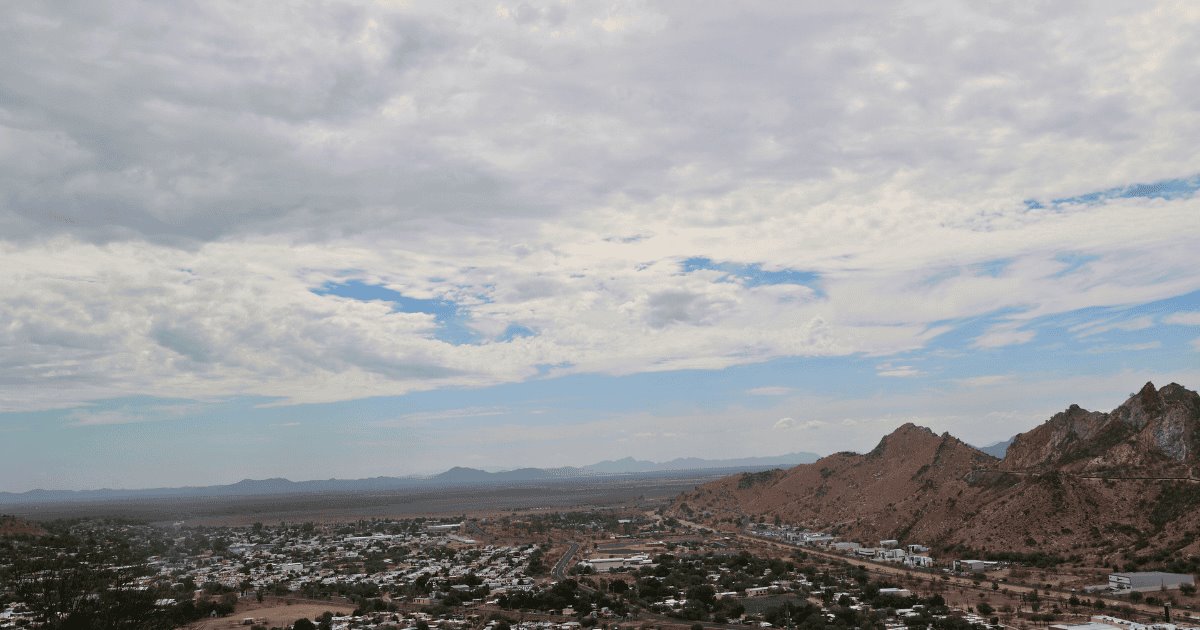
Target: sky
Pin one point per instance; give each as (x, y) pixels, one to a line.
(351, 239)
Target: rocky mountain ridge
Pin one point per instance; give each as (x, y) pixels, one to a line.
(1089, 486)
(1154, 433)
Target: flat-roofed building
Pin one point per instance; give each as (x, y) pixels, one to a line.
(1145, 581)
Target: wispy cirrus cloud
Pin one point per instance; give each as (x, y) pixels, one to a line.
(1102, 326)
(1188, 318)
(985, 380)
(129, 414)
(788, 423)
(897, 371)
(1004, 335)
(1125, 347)
(424, 417)
(770, 391)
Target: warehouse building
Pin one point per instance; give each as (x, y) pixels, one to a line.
(1147, 581)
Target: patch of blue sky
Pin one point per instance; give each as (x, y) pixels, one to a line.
(1116, 314)
(991, 268)
(269, 439)
(939, 276)
(578, 398)
(265, 436)
(1074, 262)
(681, 391)
(545, 369)
(584, 397)
(1177, 188)
(754, 275)
(119, 438)
(1057, 349)
(452, 320)
(514, 331)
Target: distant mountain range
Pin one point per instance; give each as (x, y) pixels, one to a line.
(458, 476)
(631, 465)
(999, 449)
(1085, 486)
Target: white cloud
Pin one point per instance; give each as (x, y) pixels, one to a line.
(788, 424)
(1096, 327)
(1187, 318)
(1003, 335)
(168, 207)
(897, 371)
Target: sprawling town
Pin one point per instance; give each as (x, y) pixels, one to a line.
(596, 568)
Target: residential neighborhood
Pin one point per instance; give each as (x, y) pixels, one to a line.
(542, 571)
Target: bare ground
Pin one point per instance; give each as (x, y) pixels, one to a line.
(271, 613)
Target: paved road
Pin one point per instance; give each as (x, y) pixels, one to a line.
(560, 568)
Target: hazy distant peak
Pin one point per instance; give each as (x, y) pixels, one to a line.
(632, 465)
(998, 449)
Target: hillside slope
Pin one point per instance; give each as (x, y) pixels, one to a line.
(899, 487)
(1067, 488)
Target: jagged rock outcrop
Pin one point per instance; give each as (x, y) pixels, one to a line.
(1155, 433)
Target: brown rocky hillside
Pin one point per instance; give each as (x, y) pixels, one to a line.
(1067, 489)
(1154, 433)
(910, 481)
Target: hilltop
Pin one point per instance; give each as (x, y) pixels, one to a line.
(897, 487)
(1083, 485)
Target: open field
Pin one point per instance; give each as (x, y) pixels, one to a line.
(271, 613)
(480, 500)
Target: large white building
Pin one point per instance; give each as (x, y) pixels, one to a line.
(1147, 581)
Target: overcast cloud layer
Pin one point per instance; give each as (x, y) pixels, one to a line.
(323, 202)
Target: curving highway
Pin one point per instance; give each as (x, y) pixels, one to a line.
(560, 568)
